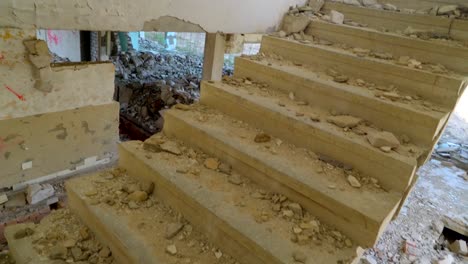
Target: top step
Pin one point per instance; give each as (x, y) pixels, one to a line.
(451, 56)
(400, 21)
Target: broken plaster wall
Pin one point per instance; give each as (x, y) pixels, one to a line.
(421, 4)
(64, 43)
(70, 122)
(241, 16)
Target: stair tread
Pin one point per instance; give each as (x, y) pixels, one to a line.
(430, 112)
(234, 205)
(297, 163)
(138, 234)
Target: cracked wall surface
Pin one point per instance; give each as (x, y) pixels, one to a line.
(53, 117)
(242, 16)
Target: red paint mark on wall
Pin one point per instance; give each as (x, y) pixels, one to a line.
(20, 96)
(53, 37)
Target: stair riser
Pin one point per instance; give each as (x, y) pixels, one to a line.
(420, 128)
(436, 88)
(453, 58)
(219, 232)
(352, 223)
(364, 158)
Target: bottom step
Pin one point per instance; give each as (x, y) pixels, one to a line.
(60, 238)
(251, 224)
(136, 227)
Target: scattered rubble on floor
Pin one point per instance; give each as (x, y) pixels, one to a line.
(61, 236)
(147, 83)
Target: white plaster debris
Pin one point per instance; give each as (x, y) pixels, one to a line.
(37, 193)
(27, 165)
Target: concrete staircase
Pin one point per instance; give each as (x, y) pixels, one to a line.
(296, 125)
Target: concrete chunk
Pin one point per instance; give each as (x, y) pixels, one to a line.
(295, 24)
(37, 193)
(336, 17)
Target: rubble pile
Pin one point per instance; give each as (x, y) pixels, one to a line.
(148, 82)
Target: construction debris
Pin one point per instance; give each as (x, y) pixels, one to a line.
(37, 192)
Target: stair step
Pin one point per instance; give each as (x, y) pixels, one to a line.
(295, 172)
(262, 109)
(397, 21)
(452, 57)
(227, 213)
(440, 89)
(138, 234)
(420, 124)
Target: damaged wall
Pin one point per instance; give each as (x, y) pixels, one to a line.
(52, 117)
(242, 16)
(64, 43)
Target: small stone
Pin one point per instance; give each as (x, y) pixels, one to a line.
(459, 247)
(173, 229)
(292, 96)
(218, 254)
(76, 253)
(386, 149)
(171, 147)
(389, 7)
(84, 234)
(354, 182)
(22, 233)
(382, 139)
(297, 230)
(58, 252)
(92, 192)
(138, 196)
(336, 17)
(368, 260)
(344, 121)
(225, 168)
(295, 24)
(447, 9)
(316, 5)
(104, 252)
(288, 213)
(299, 257)
(296, 208)
(171, 250)
(132, 205)
(314, 117)
(361, 52)
(147, 187)
(262, 138)
(235, 179)
(211, 163)
(341, 78)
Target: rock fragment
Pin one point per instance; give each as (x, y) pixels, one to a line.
(316, 5)
(211, 163)
(296, 208)
(299, 257)
(368, 260)
(459, 247)
(173, 229)
(138, 196)
(353, 181)
(58, 252)
(235, 179)
(295, 24)
(262, 138)
(171, 250)
(344, 121)
(171, 147)
(22, 233)
(382, 139)
(336, 17)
